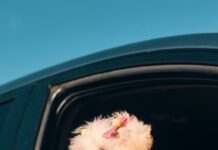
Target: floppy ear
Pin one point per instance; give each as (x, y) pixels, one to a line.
(74, 147)
(75, 143)
(147, 138)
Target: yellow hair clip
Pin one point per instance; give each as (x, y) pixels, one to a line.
(84, 131)
(116, 122)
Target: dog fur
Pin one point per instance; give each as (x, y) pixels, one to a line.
(134, 135)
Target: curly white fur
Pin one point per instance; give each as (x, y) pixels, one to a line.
(134, 135)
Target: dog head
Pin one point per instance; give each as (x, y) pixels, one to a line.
(120, 131)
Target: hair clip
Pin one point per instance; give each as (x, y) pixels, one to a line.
(84, 131)
(117, 123)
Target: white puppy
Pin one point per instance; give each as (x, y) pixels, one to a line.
(121, 131)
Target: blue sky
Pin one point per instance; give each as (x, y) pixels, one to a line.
(36, 35)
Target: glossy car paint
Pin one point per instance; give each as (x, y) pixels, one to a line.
(28, 96)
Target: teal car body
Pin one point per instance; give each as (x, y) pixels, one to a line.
(27, 105)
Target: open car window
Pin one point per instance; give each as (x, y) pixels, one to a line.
(179, 101)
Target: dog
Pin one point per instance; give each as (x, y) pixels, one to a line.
(120, 131)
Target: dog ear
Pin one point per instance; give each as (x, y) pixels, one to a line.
(75, 143)
(148, 139)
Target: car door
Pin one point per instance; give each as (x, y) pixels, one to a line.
(170, 83)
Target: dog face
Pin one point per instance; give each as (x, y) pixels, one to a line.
(121, 131)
